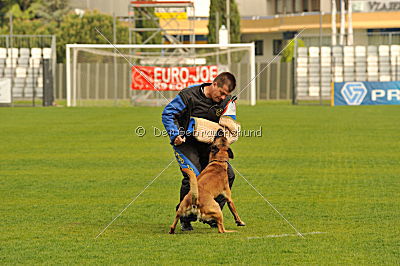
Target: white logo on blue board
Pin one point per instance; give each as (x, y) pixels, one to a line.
(354, 92)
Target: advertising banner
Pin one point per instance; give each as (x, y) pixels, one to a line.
(171, 78)
(366, 93)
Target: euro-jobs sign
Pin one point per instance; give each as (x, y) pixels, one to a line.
(366, 93)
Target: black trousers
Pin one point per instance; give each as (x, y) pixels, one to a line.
(195, 156)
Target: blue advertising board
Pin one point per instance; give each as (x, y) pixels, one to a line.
(366, 93)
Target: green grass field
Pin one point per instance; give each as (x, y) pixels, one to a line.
(67, 172)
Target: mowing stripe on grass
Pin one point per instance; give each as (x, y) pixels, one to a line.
(267, 201)
(138, 195)
(284, 235)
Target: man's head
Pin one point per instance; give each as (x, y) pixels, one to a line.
(222, 86)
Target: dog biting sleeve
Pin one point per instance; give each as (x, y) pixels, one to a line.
(231, 128)
(170, 117)
(204, 130)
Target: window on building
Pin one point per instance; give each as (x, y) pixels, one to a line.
(337, 5)
(289, 6)
(259, 45)
(306, 5)
(288, 35)
(298, 6)
(279, 6)
(276, 46)
(315, 5)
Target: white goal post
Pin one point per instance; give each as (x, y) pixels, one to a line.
(89, 84)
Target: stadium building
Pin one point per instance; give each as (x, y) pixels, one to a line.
(364, 45)
(269, 23)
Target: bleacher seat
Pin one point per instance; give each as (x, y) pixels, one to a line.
(372, 49)
(11, 62)
(313, 51)
(20, 72)
(23, 61)
(3, 53)
(384, 50)
(40, 81)
(337, 51)
(314, 91)
(47, 53)
(24, 52)
(360, 51)
(36, 53)
(34, 62)
(13, 52)
(39, 92)
(25, 67)
(302, 51)
(9, 72)
(18, 88)
(338, 79)
(33, 71)
(18, 92)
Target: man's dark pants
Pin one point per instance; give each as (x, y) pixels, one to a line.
(195, 155)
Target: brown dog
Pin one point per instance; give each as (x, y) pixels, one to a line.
(212, 182)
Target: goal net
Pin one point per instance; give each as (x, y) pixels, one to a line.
(123, 75)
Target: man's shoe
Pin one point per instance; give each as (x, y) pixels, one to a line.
(191, 217)
(186, 226)
(211, 223)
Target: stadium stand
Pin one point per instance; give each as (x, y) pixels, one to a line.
(24, 66)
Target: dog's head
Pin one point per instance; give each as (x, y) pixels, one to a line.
(220, 149)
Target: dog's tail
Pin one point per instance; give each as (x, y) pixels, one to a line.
(193, 185)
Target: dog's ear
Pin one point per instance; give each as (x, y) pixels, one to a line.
(214, 149)
(230, 153)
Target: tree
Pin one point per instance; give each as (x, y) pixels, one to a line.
(7, 5)
(26, 22)
(23, 4)
(219, 6)
(82, 29)
(28, 13)
(53, 10)
(69, 28)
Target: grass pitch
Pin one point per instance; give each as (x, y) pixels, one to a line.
(67, 172)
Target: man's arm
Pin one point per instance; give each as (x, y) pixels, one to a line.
(170, 117)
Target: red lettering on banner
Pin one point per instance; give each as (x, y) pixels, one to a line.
(175, 72)
(184, 75)
(196, 76)
(171, 78)
(166, 76)
(157, 73)
(213, 72)
(204, 74)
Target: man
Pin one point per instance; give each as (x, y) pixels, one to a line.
(209, 101)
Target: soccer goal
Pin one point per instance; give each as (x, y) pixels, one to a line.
(117, 75)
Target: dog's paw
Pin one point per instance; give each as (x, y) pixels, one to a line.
(171, 231)
(240, 223)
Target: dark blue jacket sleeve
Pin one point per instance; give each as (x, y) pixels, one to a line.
(170, 117)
